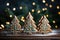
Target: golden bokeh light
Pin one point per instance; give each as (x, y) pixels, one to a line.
(59, 13)
(54, 21)
(43, 9)
(2, 25)
(46, 4)
(56, 26)
(7, 22)
(33, 3)
(7, 4)
(50, 6)
(47, 15)
(43, 1)
(14, 9)
(21, 7)
(10, 15)
(22, 19)
(32, 10)
(58, 7)
(52, 0)
(38, 11)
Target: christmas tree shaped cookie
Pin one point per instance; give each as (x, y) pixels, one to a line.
(43, 25)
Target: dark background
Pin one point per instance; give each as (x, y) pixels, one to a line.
(27, 6)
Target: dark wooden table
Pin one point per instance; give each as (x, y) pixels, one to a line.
(50, 36)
